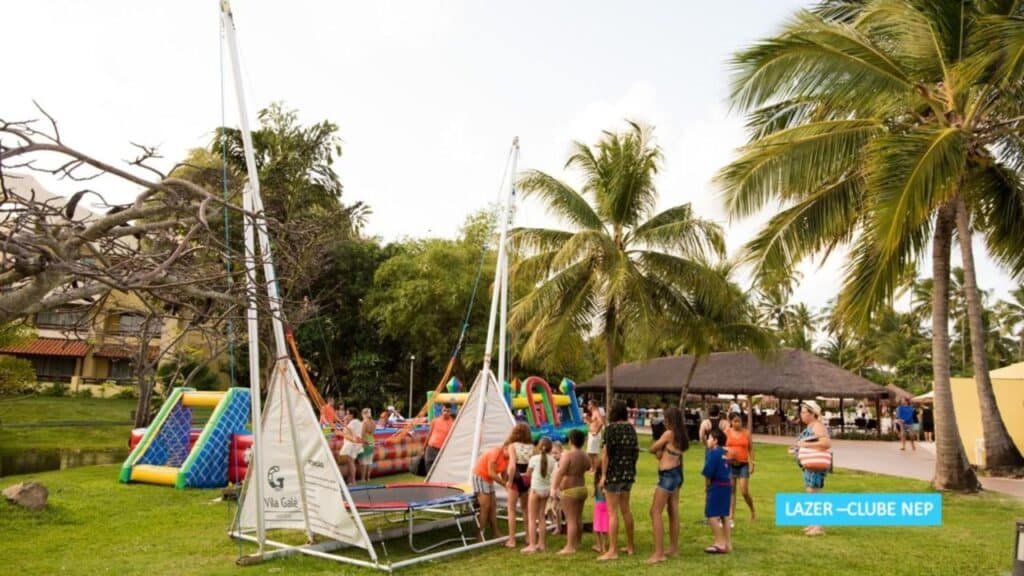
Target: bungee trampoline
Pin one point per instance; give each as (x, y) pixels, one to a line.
(421, 507)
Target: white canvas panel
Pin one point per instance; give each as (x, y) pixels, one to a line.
(473, 427)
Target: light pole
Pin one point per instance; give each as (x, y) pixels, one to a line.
(412, 362)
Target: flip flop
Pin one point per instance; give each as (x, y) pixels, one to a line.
(715, 550)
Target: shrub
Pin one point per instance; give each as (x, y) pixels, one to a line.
(16, 375)
(56, 390)
(127, 394)
(83, 393)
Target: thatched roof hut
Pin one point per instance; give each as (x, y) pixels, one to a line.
(786, 374)
(897, 394)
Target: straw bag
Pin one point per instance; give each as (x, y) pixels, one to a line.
(814, 460)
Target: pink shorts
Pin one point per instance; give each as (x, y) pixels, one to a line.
(601, 517)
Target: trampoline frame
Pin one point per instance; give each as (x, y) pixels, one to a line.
(455, 509)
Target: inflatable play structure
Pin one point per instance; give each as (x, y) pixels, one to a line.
(393, 453)
(169, 453)
(549, 415)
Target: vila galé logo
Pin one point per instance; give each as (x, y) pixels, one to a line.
(274, 479)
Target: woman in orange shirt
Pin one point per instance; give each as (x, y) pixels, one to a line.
(490, 468)
(740, 449)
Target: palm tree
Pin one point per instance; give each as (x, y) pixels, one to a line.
(880, 124)
(621, 269)
(718, 318)
(1011, 317)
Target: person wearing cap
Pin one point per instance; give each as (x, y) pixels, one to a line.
(814, 437)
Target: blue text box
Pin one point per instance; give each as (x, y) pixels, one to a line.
(867, 509)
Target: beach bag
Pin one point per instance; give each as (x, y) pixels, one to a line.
(814, 460)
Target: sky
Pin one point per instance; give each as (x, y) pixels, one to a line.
(427, 95)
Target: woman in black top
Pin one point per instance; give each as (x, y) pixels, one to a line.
(618, 465)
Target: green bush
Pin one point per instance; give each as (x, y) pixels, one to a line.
(83, 393)
(16, 375)
(127, 394)
(171, 377)
(56, 390)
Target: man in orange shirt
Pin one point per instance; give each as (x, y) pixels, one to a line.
(328, 417)
(439, 429)
(490, 468)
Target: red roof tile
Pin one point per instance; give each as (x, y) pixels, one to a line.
(49, 347)
(122, 351)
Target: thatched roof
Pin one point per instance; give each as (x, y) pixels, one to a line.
(787, 374)
(897, 394)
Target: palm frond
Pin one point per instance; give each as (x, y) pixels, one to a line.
(823, 60)
(793, 163)
(909, 176)
(995, 195)
(814, 224)
(561, 200)
(679, 229)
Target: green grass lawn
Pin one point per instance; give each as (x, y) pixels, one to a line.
(41, 423)
(96, 526)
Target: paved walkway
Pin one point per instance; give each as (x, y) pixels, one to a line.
(887, 458)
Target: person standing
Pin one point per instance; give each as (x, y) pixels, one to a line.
(739, 447)
(905, 417)
(595, 424)
(353, 447)
(437, 434)
(669, 452)
(618, 462)
(712, 422)
(540, 468)
(520, 448)
(369, 442)
(328, 416)
(718, 489)
(813, 437)
(570, 489)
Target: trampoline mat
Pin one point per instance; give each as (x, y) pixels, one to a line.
(406, 496)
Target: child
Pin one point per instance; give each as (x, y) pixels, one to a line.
(600, 515)
(553, 512)
(540, 469)
(719, 492)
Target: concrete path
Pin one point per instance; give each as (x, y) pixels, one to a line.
(887, 458)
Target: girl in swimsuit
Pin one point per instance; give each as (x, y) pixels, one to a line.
(669, 451)
(571, 489)
(519, 446)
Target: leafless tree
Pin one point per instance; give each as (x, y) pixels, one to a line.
(166, 246)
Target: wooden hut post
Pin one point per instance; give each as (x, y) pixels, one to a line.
(878, 414)
(842, 417)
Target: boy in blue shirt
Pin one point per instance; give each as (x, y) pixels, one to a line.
(718, 483)
(905, 416)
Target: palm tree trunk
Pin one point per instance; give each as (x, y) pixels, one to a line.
(609, 356)
(1001, 454)
(686, 383)
(952, 472)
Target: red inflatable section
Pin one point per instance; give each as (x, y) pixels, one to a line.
(393, 457)
(138, 433)
(238, 457)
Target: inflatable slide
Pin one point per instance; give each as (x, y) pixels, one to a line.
(166, 456)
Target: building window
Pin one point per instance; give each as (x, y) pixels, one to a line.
(137, 324)
(54, 368)
(120, 369)
(62, 318)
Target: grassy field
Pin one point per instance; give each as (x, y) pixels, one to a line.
(97, 526)
(41, 422)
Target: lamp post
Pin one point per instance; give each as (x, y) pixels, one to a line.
(412, 362)
(1018, 550)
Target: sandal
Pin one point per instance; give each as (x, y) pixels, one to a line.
(715, 550)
